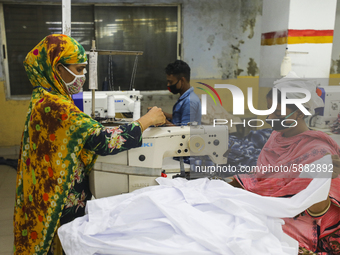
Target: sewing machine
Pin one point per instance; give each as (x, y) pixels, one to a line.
(329, 113)
(108, 103)
(139, 167)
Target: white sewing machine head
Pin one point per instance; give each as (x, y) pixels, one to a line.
(137, 168)
(328, 114)
(107, 103)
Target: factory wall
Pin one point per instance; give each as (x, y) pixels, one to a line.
(335, 61)
(220, 41)
(12, 117)
(307, 38)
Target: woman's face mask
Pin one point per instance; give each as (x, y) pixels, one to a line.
(277, 124)
(77, 83)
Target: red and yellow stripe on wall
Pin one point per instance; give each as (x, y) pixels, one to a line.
(294, 36)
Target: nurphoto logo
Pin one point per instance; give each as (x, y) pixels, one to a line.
(238, 104)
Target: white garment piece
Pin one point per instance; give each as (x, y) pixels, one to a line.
(190, 217)
(292, 80)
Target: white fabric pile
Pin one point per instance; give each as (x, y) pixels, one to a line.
(189, 217)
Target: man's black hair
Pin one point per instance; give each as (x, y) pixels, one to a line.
(178, 69)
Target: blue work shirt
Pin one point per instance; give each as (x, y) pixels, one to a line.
(187, 109)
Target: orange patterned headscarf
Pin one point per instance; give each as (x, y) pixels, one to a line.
(51, 147)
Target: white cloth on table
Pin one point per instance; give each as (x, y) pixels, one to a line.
(189, 217)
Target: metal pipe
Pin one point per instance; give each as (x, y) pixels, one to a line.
(66, 17)
(93, 114)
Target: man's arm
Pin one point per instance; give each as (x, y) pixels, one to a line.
(169, 124)
(185, 113)
(191, 112)
(168, 115)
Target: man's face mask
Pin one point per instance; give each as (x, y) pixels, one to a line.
(75, 86)
(277, 124)
(173, 89)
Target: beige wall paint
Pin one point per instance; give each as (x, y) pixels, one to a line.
(12, 116)
(334, 79)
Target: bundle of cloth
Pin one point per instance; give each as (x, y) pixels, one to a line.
(199, 216)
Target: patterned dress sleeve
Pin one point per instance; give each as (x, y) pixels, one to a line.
(110, 141)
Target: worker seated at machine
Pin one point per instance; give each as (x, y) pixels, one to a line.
(188, 107)
(290, 146)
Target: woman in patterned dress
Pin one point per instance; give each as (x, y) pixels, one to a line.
(60, 145)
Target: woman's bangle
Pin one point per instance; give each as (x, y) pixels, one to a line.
(141, 126)
(320, 213)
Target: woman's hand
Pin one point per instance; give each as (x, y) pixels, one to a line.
(167, 115)
(154, 116)
(233, 182)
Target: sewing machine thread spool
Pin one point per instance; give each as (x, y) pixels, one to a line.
(111, 111)
(136, 110)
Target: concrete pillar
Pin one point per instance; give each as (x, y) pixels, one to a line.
(301, 26)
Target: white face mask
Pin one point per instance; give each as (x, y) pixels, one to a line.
(76, 85)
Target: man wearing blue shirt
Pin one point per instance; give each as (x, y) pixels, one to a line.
(188, 106)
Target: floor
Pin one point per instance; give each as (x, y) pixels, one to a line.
(7, 193)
